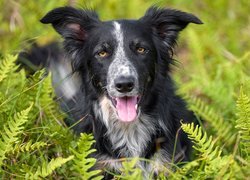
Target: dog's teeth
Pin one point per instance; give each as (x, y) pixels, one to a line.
(136, 106)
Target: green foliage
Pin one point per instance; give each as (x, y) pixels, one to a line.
(202, 143)
(28, 146)
(243, 123)
(214, 60)
(222, 128)
(10, 132)
(47, 168)
(130, 171)
(33, 138)
(83, 163)
(7, 65)
(212, 164)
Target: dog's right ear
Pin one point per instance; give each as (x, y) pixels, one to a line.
(71, 23)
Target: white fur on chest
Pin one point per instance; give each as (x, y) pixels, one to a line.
(131, 138)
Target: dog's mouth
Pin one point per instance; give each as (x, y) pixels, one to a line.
(126, 107)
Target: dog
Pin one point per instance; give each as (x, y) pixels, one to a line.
(113, 78)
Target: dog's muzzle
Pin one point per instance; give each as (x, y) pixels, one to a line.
(125, 97)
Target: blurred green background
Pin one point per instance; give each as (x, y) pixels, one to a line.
(226, 22)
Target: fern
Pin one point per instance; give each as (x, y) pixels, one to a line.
(83, 163)
(47, 168)
(203, 144)
(11, 131)
(184, 171)
(49, 107)
(27, 147)
(34, 86)
(7, 66)
(213, 163)
(130, 171)
(243, 123)
(221, 127)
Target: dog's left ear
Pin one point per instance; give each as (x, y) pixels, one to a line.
(71, 23)
(167, 23)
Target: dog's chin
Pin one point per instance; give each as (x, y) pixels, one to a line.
(127, 108)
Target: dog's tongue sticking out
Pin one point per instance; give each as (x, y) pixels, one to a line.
(126, 108)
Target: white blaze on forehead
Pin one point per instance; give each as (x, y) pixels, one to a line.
(120, 65)
(120, 62)
(118, 35)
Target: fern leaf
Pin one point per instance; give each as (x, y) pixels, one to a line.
(27, 147)
(83, 163)
(205, 147)
(130, 171)
(214, 163)
(47, 168)
(11, 131)
(221, 127)
(6, 66)
(51, 108)
(182, 172)
(243, 123)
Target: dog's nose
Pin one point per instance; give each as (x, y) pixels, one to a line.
(124, 84)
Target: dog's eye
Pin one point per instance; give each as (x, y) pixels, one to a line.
(141, 50)
(103, 54)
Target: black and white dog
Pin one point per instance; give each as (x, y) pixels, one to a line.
(120, 89)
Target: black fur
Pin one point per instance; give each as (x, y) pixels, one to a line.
(85, 35)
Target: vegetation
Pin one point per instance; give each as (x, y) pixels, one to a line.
(212, 73)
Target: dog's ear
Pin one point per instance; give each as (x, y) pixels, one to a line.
(167, 23)
(71, 23)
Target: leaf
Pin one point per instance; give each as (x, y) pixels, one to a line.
(82, 162)
(243, 123)
(7, 66)
(10, 133)
(47, 168)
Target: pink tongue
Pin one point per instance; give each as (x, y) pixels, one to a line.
(126, 108)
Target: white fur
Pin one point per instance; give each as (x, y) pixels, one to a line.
(66, 84)
(131, 138)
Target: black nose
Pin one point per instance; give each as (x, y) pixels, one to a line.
(124, 84)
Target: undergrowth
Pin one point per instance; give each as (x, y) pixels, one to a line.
(213, 76)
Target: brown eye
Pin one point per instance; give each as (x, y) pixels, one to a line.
(103, 54)
(141, 50)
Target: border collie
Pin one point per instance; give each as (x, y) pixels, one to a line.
(113, 78)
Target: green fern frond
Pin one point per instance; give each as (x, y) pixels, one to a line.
(243, 123)
(6, 66)
(83, 163)
(50, 108)
(130, 171)
(214, 164)
(35, 83)
(27, 147)
(221, 127)
(185, 170)
(11, 131)
(47, 168)
(203, 144)
(219, 167)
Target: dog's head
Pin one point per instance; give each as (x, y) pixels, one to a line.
(122, 58)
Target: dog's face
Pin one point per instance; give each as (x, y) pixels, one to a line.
(122, 61)
(122, 57)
